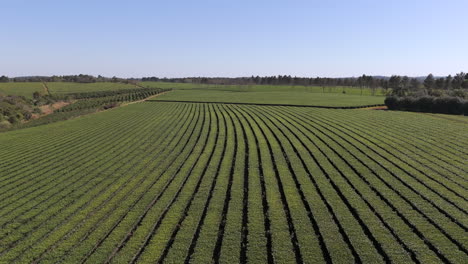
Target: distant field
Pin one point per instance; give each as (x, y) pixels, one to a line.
(169, 182)
(272, 97)
(166, 85)
(296, 95)
(28, 88)
(25, 89)
(264, 88)
(69, 87)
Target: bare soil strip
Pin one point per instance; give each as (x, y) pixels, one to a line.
(50, 108)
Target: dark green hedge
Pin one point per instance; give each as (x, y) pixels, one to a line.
(429, 104)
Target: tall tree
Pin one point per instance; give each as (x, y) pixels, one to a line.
(394, 81)
(448, 82)
(458, 80)
(440, 83)
(395, 84)
(405, 82)
(414, 85)
(429, 82)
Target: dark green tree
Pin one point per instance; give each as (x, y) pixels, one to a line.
(405, 83)
(440, 83)
(448, 82)
(458, 80)
(429, 82)
(414, 85)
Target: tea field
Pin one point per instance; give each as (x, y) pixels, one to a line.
(173, 182)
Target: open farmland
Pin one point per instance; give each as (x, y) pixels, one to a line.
(332, 96)
(28, 88)
(265, 88)
(25, 89)
(203, 182)
(273, 97)
(72, 87)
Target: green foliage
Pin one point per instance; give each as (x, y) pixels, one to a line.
(4, 124)
(15, 109)
(4, 79)
(107, 99)
(429, 82)
(430, 104)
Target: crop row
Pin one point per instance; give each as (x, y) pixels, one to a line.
(199, 183)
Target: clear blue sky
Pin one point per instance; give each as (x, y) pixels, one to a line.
(233, 38)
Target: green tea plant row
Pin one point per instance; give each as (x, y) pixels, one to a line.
(98, 94)
(170, 182)
(108, 98)
(53, 196)
(63, 137)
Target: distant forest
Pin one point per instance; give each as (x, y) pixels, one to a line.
(394, 85)
(447, 95)
(399, 84)
(80, 78)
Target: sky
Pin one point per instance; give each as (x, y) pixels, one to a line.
(174, 38)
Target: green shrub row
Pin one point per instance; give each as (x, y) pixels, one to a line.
(98, 94)
(110, 101)
(429, 104)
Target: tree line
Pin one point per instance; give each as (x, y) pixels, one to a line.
(80, 78)
(393, 85)
(396, 84)
(403, 86)
(446, 95)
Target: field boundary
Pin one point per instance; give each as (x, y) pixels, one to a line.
(260, 104)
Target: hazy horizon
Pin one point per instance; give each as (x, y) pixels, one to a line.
(188, 77)
(234, 39)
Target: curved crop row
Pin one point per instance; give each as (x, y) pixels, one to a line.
(168, 182)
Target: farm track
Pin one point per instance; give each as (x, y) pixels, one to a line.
(230, 183)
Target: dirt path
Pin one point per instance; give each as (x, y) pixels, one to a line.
(46, 88)
(49, 109)
(139, 85)
(383, 107)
